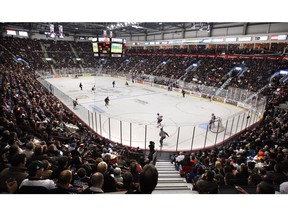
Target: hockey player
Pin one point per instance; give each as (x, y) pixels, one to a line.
(75, 103)
(210, 97)
(162, 135)
(126, 83)
(113, 83)
(93, 89)
(80, 85)
(183, 92)
(107, 101)
(212, 121)
(159, 119)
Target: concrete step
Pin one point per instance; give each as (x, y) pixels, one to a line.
(183, 187)
(166, 168)
(168, 171)
(169, 180)
(176, 184)
(169, 174)
(163, 161)
(174, 192)
(164, 164)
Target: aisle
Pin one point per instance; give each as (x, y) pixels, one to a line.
(170, 181)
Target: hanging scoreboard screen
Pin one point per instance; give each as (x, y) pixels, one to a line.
(108, 47)
(95, 47)
(104, 48)
(116, 48)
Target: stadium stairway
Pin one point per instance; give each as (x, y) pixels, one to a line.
(170, 181)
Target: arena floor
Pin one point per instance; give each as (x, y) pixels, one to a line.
(134, 106)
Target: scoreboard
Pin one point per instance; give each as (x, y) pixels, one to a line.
(108, 47)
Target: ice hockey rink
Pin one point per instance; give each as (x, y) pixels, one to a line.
(131, 115)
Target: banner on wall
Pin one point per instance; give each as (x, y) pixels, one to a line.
(233, 102)
(218, 99)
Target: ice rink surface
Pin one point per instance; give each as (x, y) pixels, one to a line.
(132, 107)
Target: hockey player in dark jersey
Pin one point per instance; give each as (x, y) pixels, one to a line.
(107, 101)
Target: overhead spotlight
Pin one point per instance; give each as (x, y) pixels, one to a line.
(120, 25)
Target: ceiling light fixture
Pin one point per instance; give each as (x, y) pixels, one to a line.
(120, 25)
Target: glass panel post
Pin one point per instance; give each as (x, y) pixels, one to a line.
(192, 142)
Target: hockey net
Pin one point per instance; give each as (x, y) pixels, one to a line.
(217, 126)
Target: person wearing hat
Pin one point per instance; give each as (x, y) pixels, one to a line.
(34, 184)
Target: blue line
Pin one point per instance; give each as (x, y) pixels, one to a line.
(96, 108)
(203, 125)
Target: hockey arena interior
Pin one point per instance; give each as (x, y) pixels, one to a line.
(144, 108)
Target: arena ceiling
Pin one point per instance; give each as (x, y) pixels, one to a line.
(123, 29)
